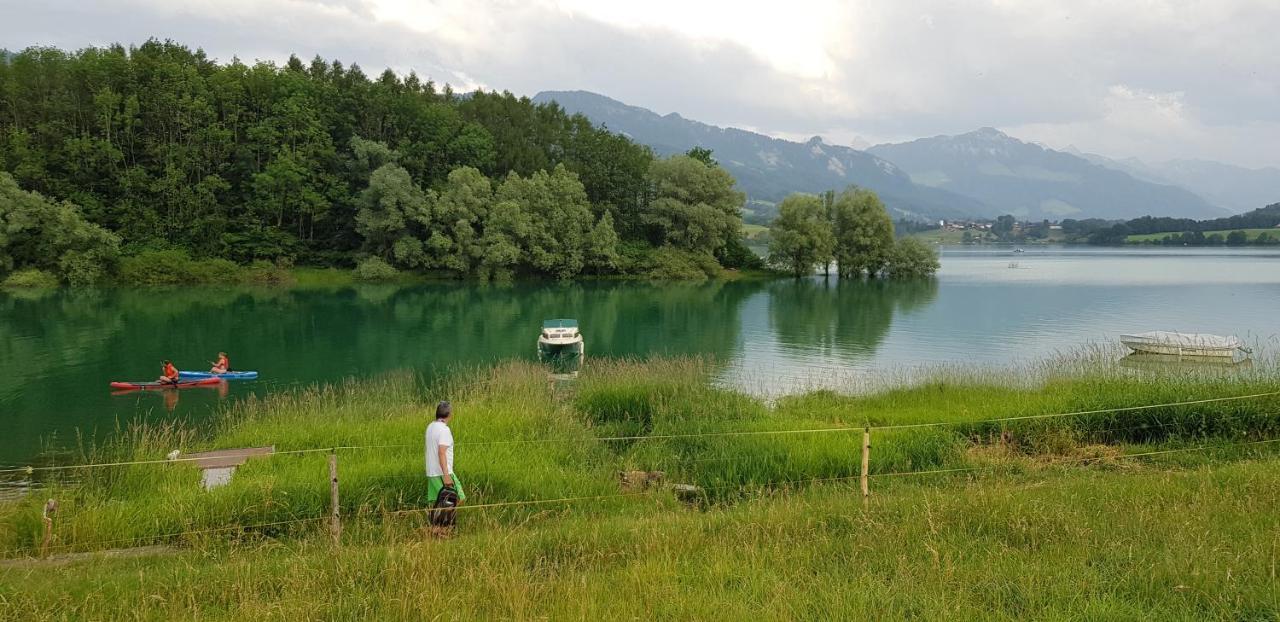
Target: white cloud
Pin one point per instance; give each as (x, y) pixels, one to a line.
(1156, 78)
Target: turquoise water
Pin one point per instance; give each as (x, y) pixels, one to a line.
(58, 350)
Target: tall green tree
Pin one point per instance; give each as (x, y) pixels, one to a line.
(51, 236)
(863, 233)
(801, 237)
(458, 213)
(912, 259)
(694, 205)
(393, 210)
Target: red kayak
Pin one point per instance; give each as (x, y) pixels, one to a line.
(152, 386)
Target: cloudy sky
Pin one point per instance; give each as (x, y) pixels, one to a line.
(1156, 79)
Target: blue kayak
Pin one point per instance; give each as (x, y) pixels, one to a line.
(231, 375)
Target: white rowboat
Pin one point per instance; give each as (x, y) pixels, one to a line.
(1183, 344)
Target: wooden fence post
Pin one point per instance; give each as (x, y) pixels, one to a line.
(335, 523)
(50, 507)
(866, 462)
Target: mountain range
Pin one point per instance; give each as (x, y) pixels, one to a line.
(1033, 182)
(1235, 188)
(768, 169)
(982, 174)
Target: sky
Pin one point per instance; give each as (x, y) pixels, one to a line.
(1153, 79)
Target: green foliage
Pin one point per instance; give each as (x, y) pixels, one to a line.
(675, 264)
(863, 233)
(392, 208)
(320, 163)
(38, 233)
(262, 272)
(176, 267)
(801, 237)
(912, 258)
(375, 269)
(703, 155)
(694, 206)
(1237, 238)
(738, 256)
(33, 278)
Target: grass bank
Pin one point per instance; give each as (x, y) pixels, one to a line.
(1105, 543)
(1042, 517)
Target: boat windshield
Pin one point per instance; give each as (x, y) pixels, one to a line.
(546, 324)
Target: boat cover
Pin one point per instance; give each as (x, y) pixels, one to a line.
(1184, 340)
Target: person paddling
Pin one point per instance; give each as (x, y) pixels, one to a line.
(170, 373)
(444, 491)
(222, 365)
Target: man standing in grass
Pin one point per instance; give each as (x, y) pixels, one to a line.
(444, 491)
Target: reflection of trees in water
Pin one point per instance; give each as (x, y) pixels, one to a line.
(314, 334)
(840, 317)
(485, 322)
(44, 334)
(57, 352)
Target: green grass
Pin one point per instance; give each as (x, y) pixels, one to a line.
(942, 236)
(322, 277)
(31, 278)
(751, 232)
(1110, 543)
(1156, 237)
(1028, 531)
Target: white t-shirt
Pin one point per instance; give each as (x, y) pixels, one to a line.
(438, 434)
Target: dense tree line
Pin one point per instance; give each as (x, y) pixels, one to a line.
(853, 230)
(163, 149)
(1182, 230)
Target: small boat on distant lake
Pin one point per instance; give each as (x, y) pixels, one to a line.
(1184, 344)
(560, 341)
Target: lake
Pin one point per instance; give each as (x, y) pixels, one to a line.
(58, 350)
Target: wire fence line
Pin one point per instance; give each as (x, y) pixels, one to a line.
(640, 437)
(747, 486)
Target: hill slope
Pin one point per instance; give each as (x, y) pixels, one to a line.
(1032, 182)
(766, 168)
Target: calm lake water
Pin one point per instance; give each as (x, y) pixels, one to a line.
(58, 350)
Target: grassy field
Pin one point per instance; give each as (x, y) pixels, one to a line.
(944, 236)
(751, 232)
(1156, 237)
(1044, 518)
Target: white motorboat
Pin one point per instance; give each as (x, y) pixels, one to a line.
(560, 341)
(1183, 344)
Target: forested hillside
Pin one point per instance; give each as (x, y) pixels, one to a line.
(769, 169)
(319, 163)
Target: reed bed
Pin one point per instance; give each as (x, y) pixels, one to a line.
(524, 438)
(1190, 544)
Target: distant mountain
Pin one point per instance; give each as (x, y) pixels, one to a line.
(1032, 182)
(768, 169)
(1235, 188)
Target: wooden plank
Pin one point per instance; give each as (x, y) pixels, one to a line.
(223, 458)
(245, 451)
(219, 462)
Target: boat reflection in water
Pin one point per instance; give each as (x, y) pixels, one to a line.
(561, 348)
(1172, 362)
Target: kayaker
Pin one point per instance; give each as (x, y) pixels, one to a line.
(444, 491)
(170, 373)
(223, 364)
